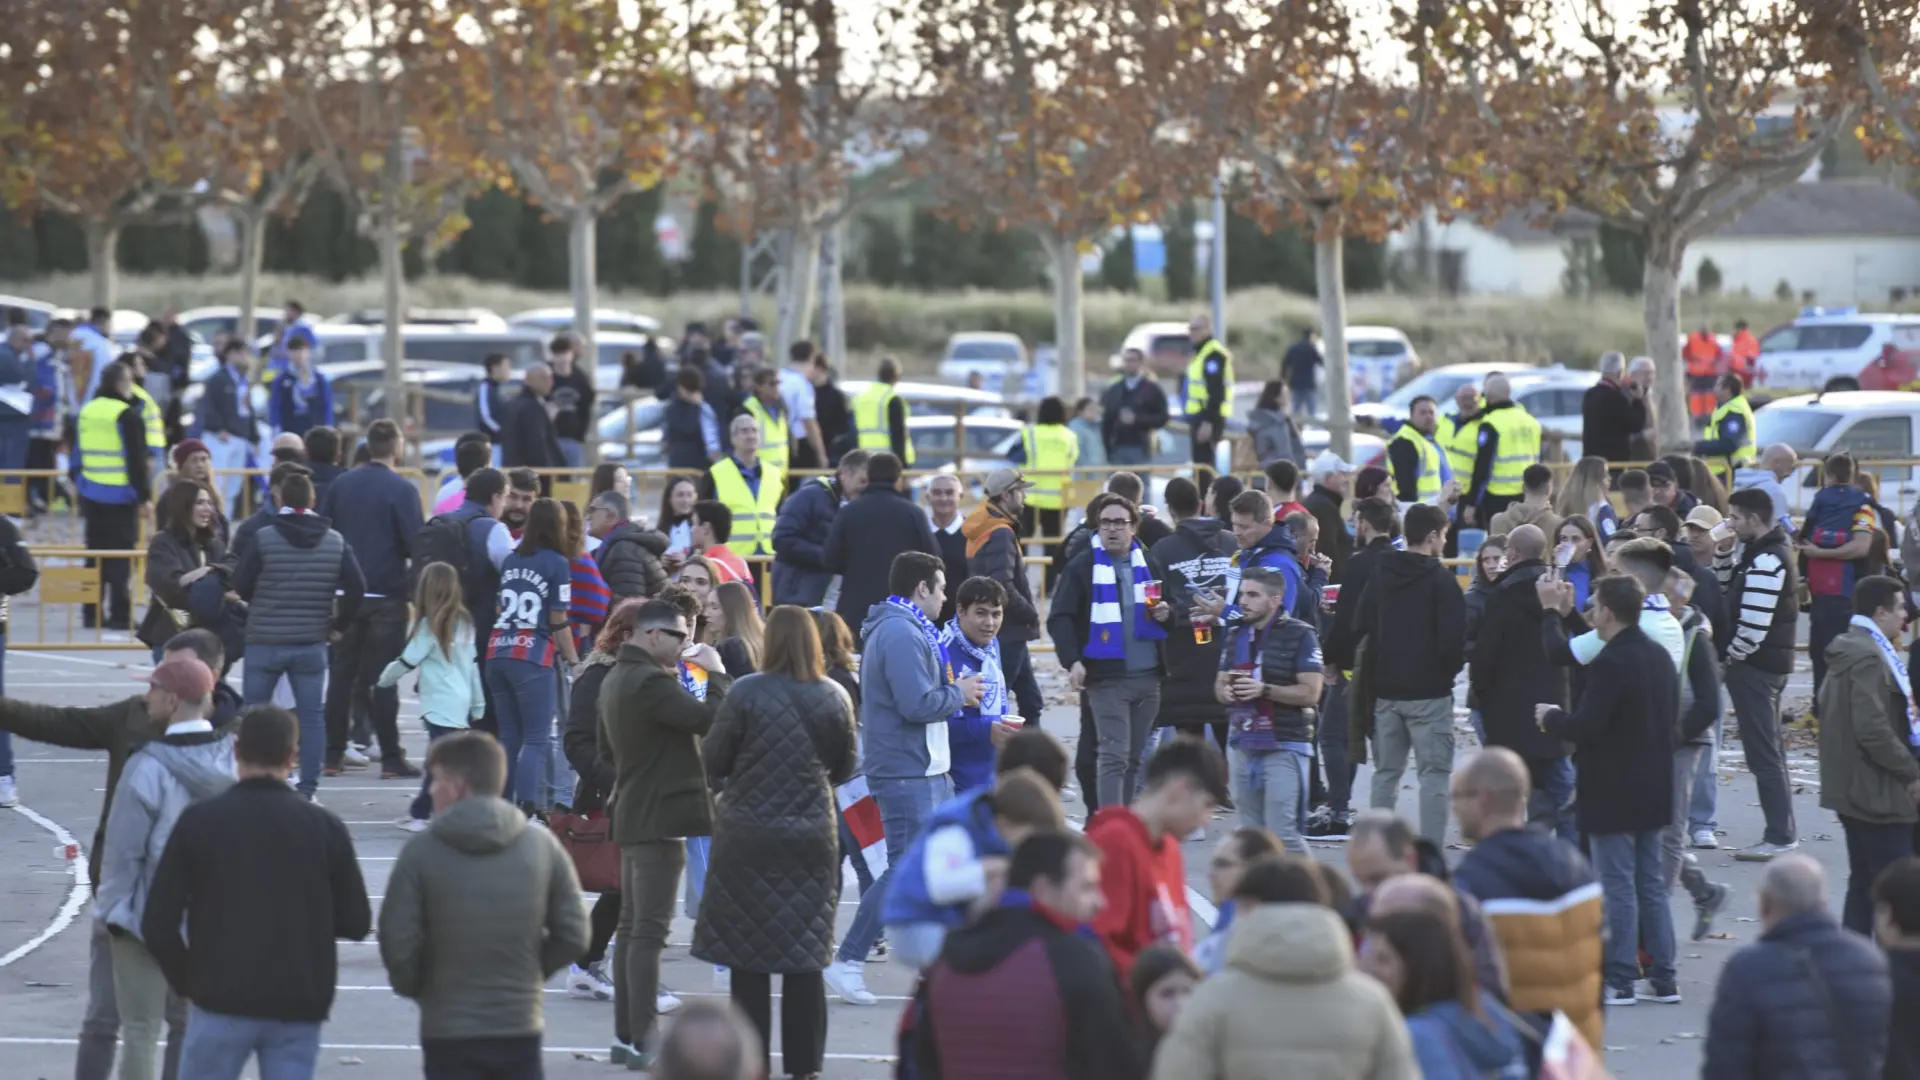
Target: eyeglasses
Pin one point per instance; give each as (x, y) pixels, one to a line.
(1116, 523)
(677, 635)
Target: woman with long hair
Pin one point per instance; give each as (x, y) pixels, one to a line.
(1160, 983)
(1459, 1031)
(530, 636)
(676, 518)
(1275, 436)
(1579, 556)
(783, 740)
(734, 626)
(441, 652)
(1585, 495)
(836, 648)
(1703, 482)
(586, 611)
(610, 476)
(187, 550)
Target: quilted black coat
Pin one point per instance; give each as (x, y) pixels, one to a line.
(773, 880)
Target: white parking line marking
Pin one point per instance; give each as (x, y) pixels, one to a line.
(76, 896)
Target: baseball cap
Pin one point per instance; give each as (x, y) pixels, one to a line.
(1703, 517)
(183, 676)
(1001, 481)
(1326, 464)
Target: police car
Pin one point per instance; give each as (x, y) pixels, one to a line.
(1872, 425)
(1837, 349)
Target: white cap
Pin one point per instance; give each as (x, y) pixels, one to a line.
(1327, 464)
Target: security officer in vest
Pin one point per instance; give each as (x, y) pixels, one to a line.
(1048, 449)
(749, 485)
(1509, 441)
(150, 410)
(112, 471)
(766, 407)
(1207, 388)
(1420, 469)
(880, 417)
(1730, 431)
(1458, 432)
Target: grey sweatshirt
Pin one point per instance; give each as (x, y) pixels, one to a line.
(160, 781)
(905, 698)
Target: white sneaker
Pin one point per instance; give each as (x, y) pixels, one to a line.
(1704, 838)
(848, 983)
(665, 1003)
(9, 792)
(352, 758)
(587, 985)
(412, 824)
(1764, 852)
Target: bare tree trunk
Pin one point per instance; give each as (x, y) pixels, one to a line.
(253, 246)
(103, 247)
(1660, 293)
(800, 276)
(393, 280)
(1330, 279)
(1069, 331)
(833, 295)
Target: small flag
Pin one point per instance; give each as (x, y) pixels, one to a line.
(863, 821)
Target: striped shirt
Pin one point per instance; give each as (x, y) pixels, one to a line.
(590, 601)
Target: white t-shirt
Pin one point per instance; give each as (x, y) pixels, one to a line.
(797, 392)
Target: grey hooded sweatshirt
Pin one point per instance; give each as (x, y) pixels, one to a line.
(905, 698)
(161, 780)
(480, 910)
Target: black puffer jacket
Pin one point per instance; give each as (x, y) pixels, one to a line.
(800, 574)
(773, 880)
(1415, 616)
(1510, 671)
(629, 558)
(297, 565)
(1198, 554)
(1768, 1021)
(581, 739)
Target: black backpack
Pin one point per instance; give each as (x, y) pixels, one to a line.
(447, 538)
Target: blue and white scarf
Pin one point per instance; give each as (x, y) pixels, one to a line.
(928, 631)
(1104, 628)
(983, 659)
(1898, 669)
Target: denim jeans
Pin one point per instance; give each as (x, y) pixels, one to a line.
(305, 667)
(905, 804)
(573, 451)
(1551, 805)
(1676, 862)
(219, 1047)
(1706, 784)
(1336, 755)
(1756, 706)
(1634, 892)
(1270, 790)
(523, 697)
(1424, 727)
(699, 853)
(1827, 618)
(1871, 848)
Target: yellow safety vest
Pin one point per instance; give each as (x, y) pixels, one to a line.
(1196, 389)
(1051, 450)
(1427, 483)
(1519, 447)
(752, 517)
(776, 440)
(150, 412)
(870, 408)
(103, 456)
(1749, 448)
(1462, 444)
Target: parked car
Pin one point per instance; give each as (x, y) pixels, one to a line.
(1166, 345)
(1379, 360)
(999, 359)
(207, 323)
(937, 399)
(39, 314)
(1551, 395)
(1838, 349)
(552, 320)
(338, 343)
(1869, 424)
(479, 318)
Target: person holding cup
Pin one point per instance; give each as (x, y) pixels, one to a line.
(976, 732)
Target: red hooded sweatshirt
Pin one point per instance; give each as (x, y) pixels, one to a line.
(1145, 886)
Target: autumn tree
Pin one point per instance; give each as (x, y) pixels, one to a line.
(98, 98)
(1340, 123)
(1047, 116)
(801, 110)
(380, 89)
(1881, 39)
(1668, 125)
(588, 106)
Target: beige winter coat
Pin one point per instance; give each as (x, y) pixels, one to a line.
(1290, 1006)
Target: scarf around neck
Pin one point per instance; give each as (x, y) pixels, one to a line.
(928, 632)
(985, 660)
(1104, 626)
(1897, 668)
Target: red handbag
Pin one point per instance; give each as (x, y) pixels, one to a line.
(588, 840)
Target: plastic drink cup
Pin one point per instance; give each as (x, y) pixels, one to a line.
(1203, 633)
(1151, 592)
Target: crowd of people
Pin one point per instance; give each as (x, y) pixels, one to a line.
(609, 704)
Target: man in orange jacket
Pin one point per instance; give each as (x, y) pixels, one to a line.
(1702, 354)
(1743, 358)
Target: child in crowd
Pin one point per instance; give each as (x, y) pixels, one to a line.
(1163, 979)
(972, 642)
(441, 650)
